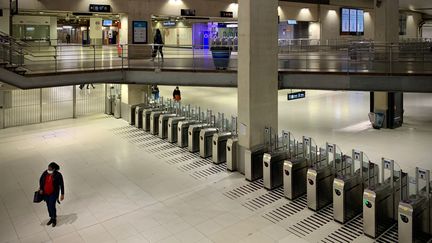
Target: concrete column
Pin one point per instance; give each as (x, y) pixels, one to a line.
(132, 94)
(141, 13)
(387, 31)
(387, 21)
(257, 72)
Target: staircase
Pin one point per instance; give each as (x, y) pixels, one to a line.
(12, 54)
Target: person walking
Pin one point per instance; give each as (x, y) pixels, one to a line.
(51, 186)
(68, 39)
(155, 92)
(91, 85)
(158, 44)
(177, 94)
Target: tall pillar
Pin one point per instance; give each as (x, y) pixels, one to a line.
(387, 31)
(257, 73)
(96, 31)
(132, 94)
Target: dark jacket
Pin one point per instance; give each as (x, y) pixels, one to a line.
(158, 40)
(176, 92)
(57, 181)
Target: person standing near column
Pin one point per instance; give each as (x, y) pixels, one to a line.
(50, 186)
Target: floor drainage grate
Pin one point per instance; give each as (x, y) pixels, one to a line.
(185, 157)
(215, 169)
(347, 233)
(313, 222)
(390, 236)
(195, 164)
(162, 148)
(245, 189)
(285, 211)
(264, 200)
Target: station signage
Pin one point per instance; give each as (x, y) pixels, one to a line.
(100, 8)
(297, 95)
(139, 32)
(225, 14)
(169, 23)
(352, 21)
(188, 12)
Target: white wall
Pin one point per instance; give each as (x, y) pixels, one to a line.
(298, 11)
(427, 31)
(314, 31)
(413, 20)
(53, 30)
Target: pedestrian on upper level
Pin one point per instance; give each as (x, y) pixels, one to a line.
(158, 45)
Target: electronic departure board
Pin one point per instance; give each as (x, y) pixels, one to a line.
(352, 21)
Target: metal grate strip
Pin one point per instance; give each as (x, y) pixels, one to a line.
(313, 222)
(264, 200)
(285, 211)
(348, 232)
(195, 165)
(390, 236)
(213, 170)
(244, 190)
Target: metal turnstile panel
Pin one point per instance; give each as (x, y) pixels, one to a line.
(220, 147)
(347, 199)
(206, 141)
(273, 169)
(154, 122)
(253, 163)
(319, 188)
(139, 116)
(146, 118)
(172, 128)
(295, 177)
(194, 137)
(163, 125)
(231, 154)
(183, 133)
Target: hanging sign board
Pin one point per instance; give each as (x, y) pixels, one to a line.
(188, 12)
(139, 32)
(225, 14)
(100, 8)
(297, 95)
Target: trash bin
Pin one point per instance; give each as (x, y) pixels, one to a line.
(377, 119)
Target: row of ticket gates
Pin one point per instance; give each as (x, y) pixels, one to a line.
(385, 195)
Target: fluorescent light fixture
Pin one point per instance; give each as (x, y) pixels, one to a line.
(232, 25)
(30, 28)
(67, 27)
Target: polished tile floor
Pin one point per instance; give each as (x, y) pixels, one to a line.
(123, 185)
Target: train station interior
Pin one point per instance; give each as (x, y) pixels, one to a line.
(215, 121)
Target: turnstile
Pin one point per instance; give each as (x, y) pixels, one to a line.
(414, 221)
(348, 187)
(380, 202)
(194, 136)
(132, 114)
(231, 153)
(320, 178)
(117, 107)
(206, 139)
(253, 162)
(146, 117)
(220, 147)
(172, 128)
(139, 116)
(154, 121)
(273, 169)
(163, 124)
(295, 169)
(183, 132)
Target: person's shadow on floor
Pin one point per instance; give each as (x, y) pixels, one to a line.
(63, 219)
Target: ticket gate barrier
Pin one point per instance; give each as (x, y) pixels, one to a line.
(163, 124)
(154, 121)
(219, 151)
(138, 116)
(146, 117)
(253, 162)
(320, 178)
(183, 132)
(206, 141)
(132, 114)
(295, 169)
(414, 221)
(231, 154)
(172, 128)
(117, 107)
(348, 187)
(194, 136)
(380, 202)
(273, 169)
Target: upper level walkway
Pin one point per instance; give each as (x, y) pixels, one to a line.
(346, 66)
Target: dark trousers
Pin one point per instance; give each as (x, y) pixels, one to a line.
(51, 205)
(157, 49)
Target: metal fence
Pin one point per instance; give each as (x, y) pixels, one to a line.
(24, 107)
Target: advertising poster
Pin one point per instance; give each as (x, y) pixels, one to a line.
(139, 32)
